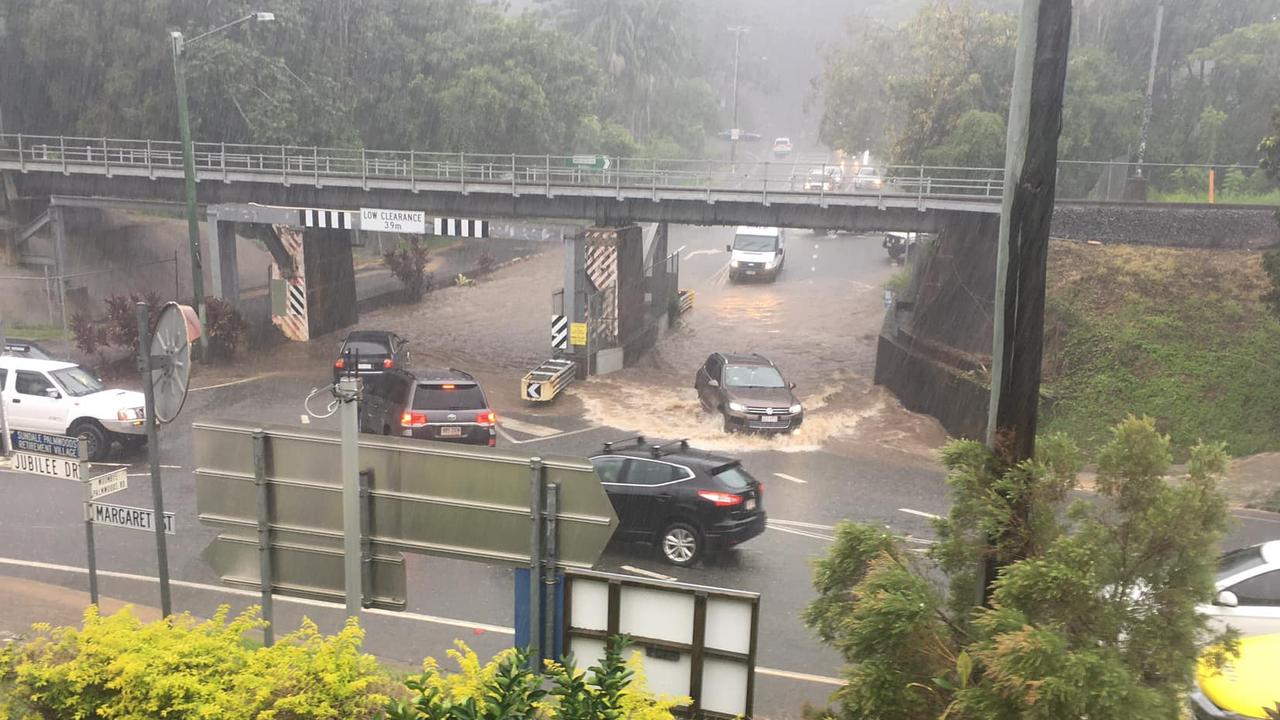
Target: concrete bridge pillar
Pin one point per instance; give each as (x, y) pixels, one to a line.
(605, 290)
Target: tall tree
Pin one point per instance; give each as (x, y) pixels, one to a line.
(1094, 613)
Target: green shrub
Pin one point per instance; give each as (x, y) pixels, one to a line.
(505, 688)
(120, 667)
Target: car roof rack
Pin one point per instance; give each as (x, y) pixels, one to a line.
(638, 440)
(660, 450)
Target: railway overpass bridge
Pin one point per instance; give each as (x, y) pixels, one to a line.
(933, 337)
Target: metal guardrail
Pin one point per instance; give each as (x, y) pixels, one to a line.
(531, 174)
(544, 383)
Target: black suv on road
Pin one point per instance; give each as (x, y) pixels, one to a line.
(749, 392)
(685, 501)
(444, 405)
(372, 352)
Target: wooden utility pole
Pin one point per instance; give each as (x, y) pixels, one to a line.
(1035, 121)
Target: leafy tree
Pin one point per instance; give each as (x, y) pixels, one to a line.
(976, 141)
(1092, 615)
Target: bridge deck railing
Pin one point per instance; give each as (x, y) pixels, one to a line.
(527, 173)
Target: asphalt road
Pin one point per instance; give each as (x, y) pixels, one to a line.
(859, 457)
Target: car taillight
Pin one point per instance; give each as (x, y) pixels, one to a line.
(488, 417)
(340, 363)
(721, 499)
(388, 363)
(413, 419)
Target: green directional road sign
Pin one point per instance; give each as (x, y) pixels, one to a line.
(428, 498)
(588, 162)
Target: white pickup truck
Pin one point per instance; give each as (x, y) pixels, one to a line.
(62, 398)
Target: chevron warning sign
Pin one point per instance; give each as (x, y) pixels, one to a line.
(559, 332)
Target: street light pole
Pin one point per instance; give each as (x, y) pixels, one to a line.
(189, 179)
(737, 31)
(189, 162)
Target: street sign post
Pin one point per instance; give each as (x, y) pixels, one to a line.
(428, 498)
(63, 458)
(131, 518)
(110, 483)
(53, 466)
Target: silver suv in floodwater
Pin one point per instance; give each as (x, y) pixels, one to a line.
(749, 392)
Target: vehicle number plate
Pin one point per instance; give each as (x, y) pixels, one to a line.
(751, 272)
(751, 504)
(366, 366)
(769, 418)
(451, 431)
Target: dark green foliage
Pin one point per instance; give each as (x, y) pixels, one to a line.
(225, 327)
(908, 87)
(408, 263)
(1093, 613)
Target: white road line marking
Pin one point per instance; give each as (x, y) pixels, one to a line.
(920, 513)
(145, 474)
(403, 615)
(801, 533)
(696, 253)
(241, 381)
(527, 428)
(792, 478)
(549, 437)
(255, 594)
(304, 419)
(813, 269)
(1259, 518)
(916, 540)
(797, 523)
(815, 256)
(806, 677)
(647, 573)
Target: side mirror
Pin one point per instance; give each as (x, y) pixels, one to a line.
(791, 386)
(1226, 598)
(728, 248)
(52, 393)
(713, 383)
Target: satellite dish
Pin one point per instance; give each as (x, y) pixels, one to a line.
(169, 380)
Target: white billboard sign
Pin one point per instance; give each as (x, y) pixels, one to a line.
(413, 222)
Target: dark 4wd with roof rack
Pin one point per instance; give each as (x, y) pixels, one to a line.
(445, 405)
(369, 352)
(685, 501)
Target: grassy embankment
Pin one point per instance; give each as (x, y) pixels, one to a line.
(1176, 334)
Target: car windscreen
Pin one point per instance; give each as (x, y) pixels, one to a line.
(753, 376)
(365, 347)
(455, 396)
(734, 477)
(755, 243)
(76, 382)
(1238, 561)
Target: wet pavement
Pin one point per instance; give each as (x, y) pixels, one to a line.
(859, 455)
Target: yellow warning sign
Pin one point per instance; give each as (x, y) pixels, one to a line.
(578, 333)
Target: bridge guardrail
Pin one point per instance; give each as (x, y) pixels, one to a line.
(289, 164)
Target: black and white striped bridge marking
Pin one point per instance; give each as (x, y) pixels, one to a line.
(560, 332)
(328, 219)
(462, 227)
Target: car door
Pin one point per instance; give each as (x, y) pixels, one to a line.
(612, 471)
(710, 370)
(650, 493)
(33, 405)
(1257, 611)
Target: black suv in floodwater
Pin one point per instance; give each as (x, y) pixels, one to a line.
(444, 405)
(372, 352)
(749, 392)
(685, 501)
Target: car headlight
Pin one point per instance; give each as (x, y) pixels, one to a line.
(129, 414)
(795, 408)
(733, 263)
(737, 407)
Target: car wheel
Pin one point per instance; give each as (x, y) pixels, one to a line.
(680, 544)
(726, 424)
(94, 437)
